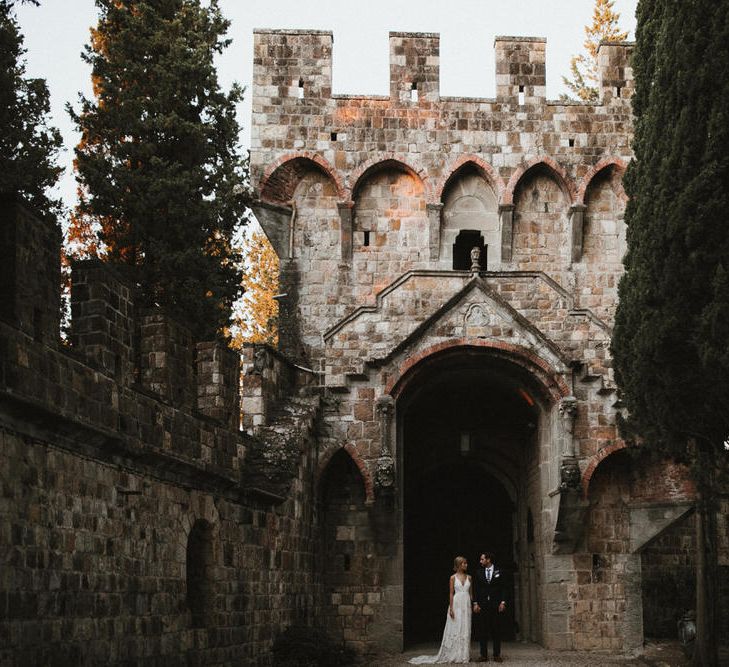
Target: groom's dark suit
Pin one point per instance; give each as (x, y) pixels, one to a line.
(489, 595)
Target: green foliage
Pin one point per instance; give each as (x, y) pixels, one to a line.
(671, 324)
(28, 145)
(672, 321)
(159, 161)
(583, 68)
(300, 646)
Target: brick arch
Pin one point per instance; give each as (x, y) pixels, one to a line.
(283, 175)
(483, 167)
(365, 170)
(596, 459)
(325, 459)
(550, 381)
(619, 165)
(556, 170)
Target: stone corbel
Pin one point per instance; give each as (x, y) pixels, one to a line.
(434, 226)
(506, 218)
(385, 472)
(346, 232)
(577, 224)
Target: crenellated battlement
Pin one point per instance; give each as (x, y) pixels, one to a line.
(135, 377)
(297, 65)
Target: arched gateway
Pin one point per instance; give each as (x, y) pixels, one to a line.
(474, 444)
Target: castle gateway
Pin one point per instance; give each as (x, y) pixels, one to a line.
(443, 386)
(449, 274)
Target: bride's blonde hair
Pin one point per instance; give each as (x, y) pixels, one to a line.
(457, 563)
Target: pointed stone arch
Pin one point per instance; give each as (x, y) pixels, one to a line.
(606, 163)
(453, 169)
(326, 458)
(398, 162)
(553, 168)
(282, 176)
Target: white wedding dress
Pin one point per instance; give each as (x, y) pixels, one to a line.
(456, 644)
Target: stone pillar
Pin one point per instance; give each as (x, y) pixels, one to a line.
(559, 579)
(345, 224)
(568, 413)
(577, 226)
(434, 227)
(385, 474)
(506, 217)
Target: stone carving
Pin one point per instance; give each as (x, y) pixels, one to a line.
(475, 259)
(385, 473)
(477, 320)
(568, 412)
(260, 361)
(569, 475)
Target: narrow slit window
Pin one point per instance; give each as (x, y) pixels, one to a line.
(300, 89)
(334, 136)
(522, 96)
(414, 92)
(617, 91)
(571, 143)
(366, 240)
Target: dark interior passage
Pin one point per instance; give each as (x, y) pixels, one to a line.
(464, 434)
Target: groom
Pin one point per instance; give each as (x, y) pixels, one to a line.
(489, 603)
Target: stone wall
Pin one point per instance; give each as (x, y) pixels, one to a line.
(131, 534)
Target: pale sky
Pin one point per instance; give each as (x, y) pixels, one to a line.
(56, 32)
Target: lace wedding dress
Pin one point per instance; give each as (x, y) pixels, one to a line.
(456, 644)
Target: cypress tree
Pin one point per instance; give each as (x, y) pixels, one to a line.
(28, 145)
(158, 161)
(672, 322)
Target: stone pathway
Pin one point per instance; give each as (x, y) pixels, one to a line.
(658, 654)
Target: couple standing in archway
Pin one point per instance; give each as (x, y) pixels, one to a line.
(483, 597)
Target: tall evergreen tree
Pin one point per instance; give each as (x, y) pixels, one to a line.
(672, 322)
(159, 162)
(28, 145)
(583, 68)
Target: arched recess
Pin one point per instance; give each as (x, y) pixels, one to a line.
(200, 575)
(542, 195)
(345, 543)
(390, 224)
(470, 206)
(282, 177)
(474, 444)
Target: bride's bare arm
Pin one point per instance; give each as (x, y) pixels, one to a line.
(470, 588)
(450, 598)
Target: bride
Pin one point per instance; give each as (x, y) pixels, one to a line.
(456, 644)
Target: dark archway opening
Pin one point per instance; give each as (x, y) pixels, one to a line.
(467, 431)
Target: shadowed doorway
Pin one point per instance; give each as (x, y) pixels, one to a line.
(467, 432)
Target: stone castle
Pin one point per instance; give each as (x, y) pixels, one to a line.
(449, 272)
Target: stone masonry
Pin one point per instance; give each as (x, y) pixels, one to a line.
(373, 204)
(449, 271)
